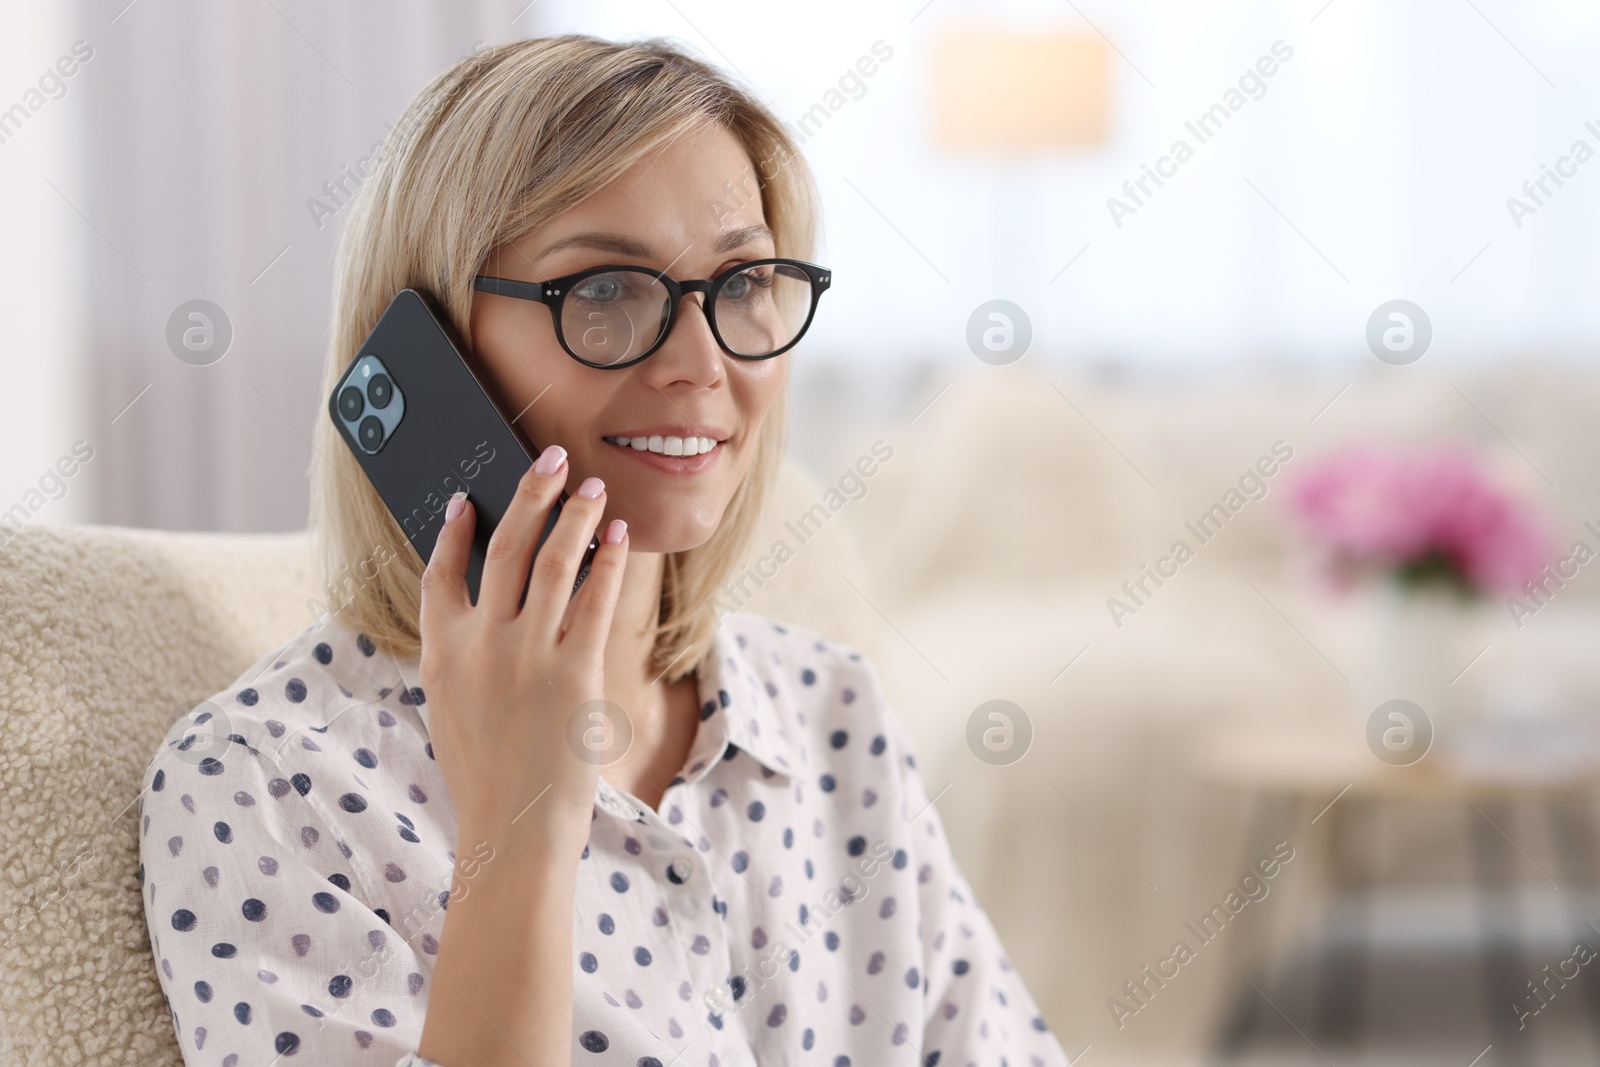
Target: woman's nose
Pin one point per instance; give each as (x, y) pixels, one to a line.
(691, 336)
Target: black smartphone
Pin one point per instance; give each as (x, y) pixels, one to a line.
(423, 426)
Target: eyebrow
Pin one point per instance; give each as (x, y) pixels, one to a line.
(629, 246)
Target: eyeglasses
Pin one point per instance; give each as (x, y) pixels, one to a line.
(615, 316)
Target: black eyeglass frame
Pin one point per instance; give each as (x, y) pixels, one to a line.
(553, 293)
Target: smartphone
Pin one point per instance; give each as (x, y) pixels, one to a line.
(423, 426)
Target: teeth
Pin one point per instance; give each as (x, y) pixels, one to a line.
(667, 446)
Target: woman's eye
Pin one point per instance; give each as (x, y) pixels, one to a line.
(600, 289)
(740, 286)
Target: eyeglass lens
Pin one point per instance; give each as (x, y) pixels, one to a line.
(616, 316)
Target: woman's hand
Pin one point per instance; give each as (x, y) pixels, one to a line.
(503, 682)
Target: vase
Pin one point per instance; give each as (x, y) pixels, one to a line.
(1415, 649)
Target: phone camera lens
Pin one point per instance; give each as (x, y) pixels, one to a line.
(371, 433)
(380, 390)
(350, 403)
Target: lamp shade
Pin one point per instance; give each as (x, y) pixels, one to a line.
(1000, 91)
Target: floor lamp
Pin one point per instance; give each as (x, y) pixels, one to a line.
(1012, 97)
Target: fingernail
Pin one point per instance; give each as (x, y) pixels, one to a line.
(550, 461)
(453, 508)
(615, 531)
(591, 488)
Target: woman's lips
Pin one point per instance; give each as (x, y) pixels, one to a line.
(672, 464)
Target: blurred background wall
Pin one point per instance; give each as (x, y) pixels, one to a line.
(1171, 315)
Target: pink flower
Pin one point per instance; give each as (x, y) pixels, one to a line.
(1418, 516)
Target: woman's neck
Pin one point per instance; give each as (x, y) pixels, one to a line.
(629, 644)
(662, 717)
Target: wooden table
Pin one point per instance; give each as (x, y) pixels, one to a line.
(1299, 776)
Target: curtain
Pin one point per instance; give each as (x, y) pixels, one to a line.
(220, 143)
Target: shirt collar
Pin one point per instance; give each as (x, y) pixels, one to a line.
(736, 707)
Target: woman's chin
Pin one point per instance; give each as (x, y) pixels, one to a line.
(667, 535)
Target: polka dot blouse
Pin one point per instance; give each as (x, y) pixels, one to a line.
(794, 901)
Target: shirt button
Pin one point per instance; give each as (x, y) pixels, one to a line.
(680, 869)
(711, 1000)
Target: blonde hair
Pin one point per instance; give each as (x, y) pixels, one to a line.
(490, 150)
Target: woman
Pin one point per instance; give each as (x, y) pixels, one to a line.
(391, 840)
